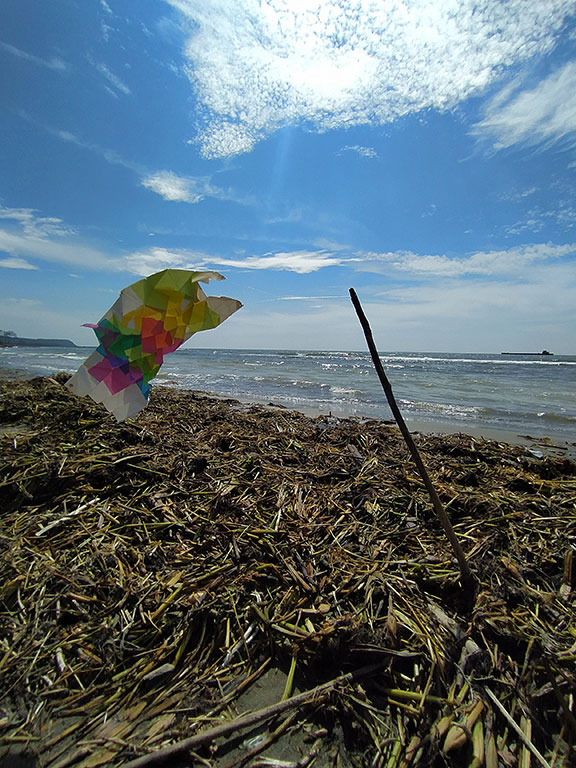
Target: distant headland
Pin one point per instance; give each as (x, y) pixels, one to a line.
(7, 340)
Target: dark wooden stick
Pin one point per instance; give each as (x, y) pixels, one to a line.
(314, 696)
(467, 576)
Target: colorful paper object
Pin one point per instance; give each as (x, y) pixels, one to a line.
(150, 318)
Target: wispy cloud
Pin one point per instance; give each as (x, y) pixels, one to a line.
(306, 298)
(151, 260)
(117, 85)
(563, 215)
(55, 63)
(330, 245)
(257, 66)
(359, 150)
(16, 264)
(110, 155)
(32, 238)
(519, 195)
(502, 263)
(545, 114)
(301, 262)
(167, 184)
(106, 16)
(34, 225)
(47, 239)
(177, 188)
(290, 217)
(487, 314)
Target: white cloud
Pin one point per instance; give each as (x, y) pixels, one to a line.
(487, 311)
(118, 86)
(442, 314)
(54, 63)
(154, 259)
(167, 184)
(47, 238)
(504, 264)
(291, 217)
(306, 298)
(359, 150)
(262, 64)
(449, 315)
(331, 245)
(34, 225)
(110, 155)
(72, 252)
(563, 215)
(512, 261)
(301, 262)
(172, 187)
(544, 114)
(16, 264)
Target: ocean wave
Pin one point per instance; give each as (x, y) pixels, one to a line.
(69, 356)
(442, 409)
(305, 384)
(333, 355)
(558, 418)
(475, 360)
(344, 391)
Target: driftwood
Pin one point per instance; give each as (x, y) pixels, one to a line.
(314, 696)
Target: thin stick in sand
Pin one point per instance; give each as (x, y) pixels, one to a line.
(468, 579)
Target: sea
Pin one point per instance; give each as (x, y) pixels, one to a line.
(459, 392)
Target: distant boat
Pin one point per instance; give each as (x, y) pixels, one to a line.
(544, 353)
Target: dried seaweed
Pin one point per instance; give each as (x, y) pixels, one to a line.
(158, 574)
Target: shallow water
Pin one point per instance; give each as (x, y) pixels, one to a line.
(525, 394)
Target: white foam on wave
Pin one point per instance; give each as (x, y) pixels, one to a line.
(442, 409)
(344, 391)
(489, 361)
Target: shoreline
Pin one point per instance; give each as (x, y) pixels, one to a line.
(547, 444)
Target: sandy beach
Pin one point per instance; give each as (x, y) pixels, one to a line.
(167, 575)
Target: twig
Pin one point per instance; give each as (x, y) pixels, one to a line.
(514, 725)
(313, 696)
(468, 578)
(263, 745)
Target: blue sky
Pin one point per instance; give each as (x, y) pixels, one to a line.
(420, 151)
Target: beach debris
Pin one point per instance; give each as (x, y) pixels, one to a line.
(151, 318)
(284, 566)
(159, 675)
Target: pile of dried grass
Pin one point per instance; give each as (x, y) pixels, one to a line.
(154, 573)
